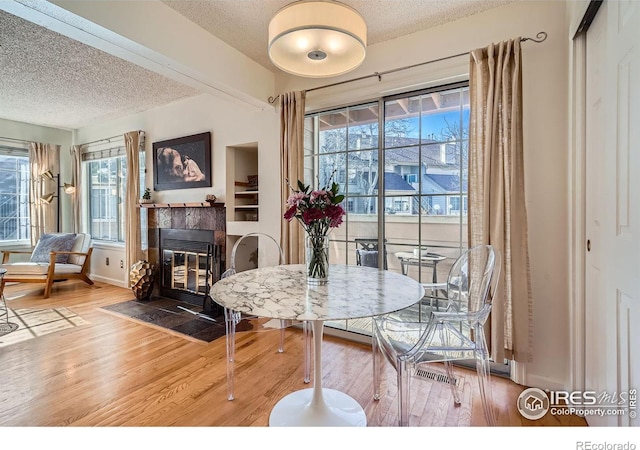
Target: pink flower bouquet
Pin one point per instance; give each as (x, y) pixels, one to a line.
(318, 211)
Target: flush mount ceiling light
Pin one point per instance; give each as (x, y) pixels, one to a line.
(317, 39)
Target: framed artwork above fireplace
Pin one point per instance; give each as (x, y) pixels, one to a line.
(182, 163)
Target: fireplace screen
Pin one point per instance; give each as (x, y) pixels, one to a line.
(188, 270)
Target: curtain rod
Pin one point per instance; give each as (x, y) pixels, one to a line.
(15, 140)
(118, 136)
(540, 37)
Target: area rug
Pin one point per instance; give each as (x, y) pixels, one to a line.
(168, 315)
(33, 323)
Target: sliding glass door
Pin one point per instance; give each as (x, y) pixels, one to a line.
(401, 162)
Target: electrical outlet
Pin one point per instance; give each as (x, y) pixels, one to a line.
(121, 264)
(107, 261)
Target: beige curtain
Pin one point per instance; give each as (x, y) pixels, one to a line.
(76, 171)
(292, 169)
(44, 217)
(497, 212)
(133, 235)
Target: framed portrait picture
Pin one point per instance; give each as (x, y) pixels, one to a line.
(182, 163)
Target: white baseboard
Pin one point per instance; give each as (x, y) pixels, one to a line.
(521, 376)
(113, 281)
(541, 382)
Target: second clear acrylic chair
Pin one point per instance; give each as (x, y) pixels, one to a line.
(454, 334)
(233, 318)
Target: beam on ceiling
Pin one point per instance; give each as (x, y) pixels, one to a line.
(154, 36)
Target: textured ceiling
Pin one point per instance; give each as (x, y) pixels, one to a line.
(52, 80)
(49, 79)
(244, 24)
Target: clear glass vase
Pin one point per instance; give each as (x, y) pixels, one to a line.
(317, 259)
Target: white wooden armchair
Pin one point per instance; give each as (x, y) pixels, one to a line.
(69, 256)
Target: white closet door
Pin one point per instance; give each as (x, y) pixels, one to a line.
(612, 273)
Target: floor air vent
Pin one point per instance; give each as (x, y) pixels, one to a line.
(435, 376)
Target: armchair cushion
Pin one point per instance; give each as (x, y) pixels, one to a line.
(61, 242)
(81, 245)
(30, 268)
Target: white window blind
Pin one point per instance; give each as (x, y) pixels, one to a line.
(13, 151)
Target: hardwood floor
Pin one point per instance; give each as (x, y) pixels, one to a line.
(114, 372)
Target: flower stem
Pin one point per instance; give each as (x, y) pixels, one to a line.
(317, 257)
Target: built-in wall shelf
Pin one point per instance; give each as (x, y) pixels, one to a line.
(242, 180)
(242, 196)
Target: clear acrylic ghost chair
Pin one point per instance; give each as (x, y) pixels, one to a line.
(454, 334)
(233, 318)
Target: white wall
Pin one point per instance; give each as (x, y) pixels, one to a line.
(545, 75)
(47, 135)
(34, 133)
(231, 123)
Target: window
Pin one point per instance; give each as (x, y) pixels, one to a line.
(418, 141)
(14, 194)
(426, 136)
(106, 175)
(349, 205)
(107, 183)
(411, 178)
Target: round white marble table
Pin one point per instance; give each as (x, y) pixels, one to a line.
(282, 292)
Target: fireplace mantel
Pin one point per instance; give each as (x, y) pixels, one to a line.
(181, 205)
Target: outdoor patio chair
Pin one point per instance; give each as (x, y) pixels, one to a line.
(367, 252)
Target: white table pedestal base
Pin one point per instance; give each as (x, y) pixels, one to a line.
(317, 407)
(336, 410)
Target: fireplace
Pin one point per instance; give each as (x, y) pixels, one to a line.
(190, 262)
(187, 244)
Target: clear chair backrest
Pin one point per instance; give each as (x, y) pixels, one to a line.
(228, 273)
(470, 278)
(232, 264)
(495, 277)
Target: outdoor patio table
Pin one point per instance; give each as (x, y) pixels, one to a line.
(429, 260)
(352, 292)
